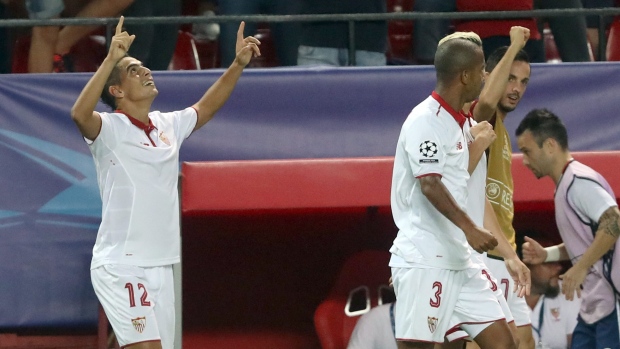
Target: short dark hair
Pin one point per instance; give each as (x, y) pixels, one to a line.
(543, 124)
(454, 56)
(499, 53)
(113, 79)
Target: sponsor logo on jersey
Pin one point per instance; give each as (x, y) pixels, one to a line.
(139, 323)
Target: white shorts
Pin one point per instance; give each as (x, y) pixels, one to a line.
(518, 307)
(435, 303)
(139, 302)
(499, 294)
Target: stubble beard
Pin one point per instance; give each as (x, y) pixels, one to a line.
(552, 291)
(505, 108)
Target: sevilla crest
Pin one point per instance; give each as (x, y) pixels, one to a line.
(432, 323)
(139, 323)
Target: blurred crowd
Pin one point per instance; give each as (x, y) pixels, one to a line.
(206, 45)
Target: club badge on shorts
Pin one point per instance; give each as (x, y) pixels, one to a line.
(139, 323)
(432, 323)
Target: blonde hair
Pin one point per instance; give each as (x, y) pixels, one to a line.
(469, 36)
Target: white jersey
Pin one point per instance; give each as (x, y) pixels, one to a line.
(559, 318)
(514, 307)
(476, 196)
(431, 142)
(137, 171)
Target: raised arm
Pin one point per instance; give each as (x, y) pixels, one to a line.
(495, 84)
(218, 93)
(605, 238)
(83, 112)
(436, 192)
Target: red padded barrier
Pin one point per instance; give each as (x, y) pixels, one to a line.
(210, 187)
(531, 194)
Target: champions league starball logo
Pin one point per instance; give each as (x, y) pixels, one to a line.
(428, 149)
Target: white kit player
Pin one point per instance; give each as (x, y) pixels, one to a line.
(508, 73)
(479, 137)
(136, 154)
(439, 290)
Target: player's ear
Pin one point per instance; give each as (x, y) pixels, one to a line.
(550, 144)
(115, 91)
(465, 75)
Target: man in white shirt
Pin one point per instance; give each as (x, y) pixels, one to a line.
(438, 288)
(553, 318)
(136, 153)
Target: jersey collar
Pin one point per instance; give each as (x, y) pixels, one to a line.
(458, 116)
(139, 124)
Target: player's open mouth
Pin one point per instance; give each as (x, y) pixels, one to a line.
(148, 83)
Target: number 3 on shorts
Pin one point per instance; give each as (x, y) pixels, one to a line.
(437, 301)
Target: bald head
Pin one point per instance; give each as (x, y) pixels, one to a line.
(456, 53)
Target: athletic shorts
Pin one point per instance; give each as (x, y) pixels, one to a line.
(139, 302)
(435, 303)
(44, 9)
(519, 309)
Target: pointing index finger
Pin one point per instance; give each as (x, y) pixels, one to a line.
(240, 31)
(119, 26)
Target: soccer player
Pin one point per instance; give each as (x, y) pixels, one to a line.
(588, 219)
(136, 154)
(508, 73)
(480, 136)
(438, 288)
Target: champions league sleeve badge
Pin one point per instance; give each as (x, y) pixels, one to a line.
(428, 149)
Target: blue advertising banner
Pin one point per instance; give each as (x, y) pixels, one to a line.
(50, 205)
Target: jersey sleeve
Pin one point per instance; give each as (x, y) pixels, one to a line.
(107, 139)
(589, 199)
(426, 149)
(185, 121)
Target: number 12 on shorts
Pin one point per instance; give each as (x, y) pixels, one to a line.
(132, 298)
